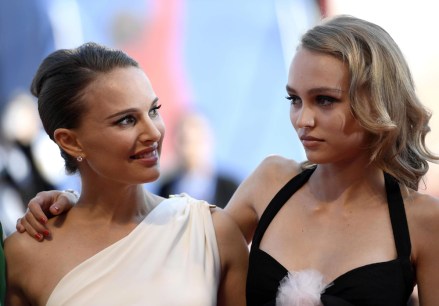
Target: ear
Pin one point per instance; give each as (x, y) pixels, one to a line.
(68, 141)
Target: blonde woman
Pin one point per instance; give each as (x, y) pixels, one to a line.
(347, 226)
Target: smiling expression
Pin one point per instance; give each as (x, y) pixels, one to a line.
(318, 86)
(122, 131)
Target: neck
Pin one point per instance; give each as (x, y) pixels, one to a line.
(333, 183)
(118, 204)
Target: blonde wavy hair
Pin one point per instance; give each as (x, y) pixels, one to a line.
(382, 93)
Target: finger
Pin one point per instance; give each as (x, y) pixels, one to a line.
(36, 207)
(34, 227)
(56, 208)
(30, 230)
(20, 228)
(63, 203)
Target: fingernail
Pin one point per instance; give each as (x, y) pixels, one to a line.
(46, 233)
(56, 208)
(43, 220)
(38, 236)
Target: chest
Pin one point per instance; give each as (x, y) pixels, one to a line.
(381, 284)
(354, 250)
(303, 236)
(57, 257)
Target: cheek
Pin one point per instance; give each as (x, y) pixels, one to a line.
(160, 125)
(111, 143)
(293, 118)
(354, 132)
(343, 125)
(352, 126)
(347, 124)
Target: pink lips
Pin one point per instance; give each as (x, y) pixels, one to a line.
(309, 141)
(147, 156)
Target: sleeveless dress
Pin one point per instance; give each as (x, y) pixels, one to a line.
(377, 284)
(170, 258)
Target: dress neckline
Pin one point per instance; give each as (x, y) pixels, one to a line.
(396, 210)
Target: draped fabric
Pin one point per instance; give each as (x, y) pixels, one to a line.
(170, 258)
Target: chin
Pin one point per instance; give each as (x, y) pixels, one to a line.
(154, 176)
(149, 176)
(322, 156)
(313, 158)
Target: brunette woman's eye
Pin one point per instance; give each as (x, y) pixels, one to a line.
(127, 120)
(154, 112)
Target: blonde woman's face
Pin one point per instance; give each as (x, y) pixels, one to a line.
(320, 112)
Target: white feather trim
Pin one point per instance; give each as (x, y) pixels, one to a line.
(302, 288)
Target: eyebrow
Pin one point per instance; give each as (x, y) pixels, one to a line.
(129, 110)
(318, 90)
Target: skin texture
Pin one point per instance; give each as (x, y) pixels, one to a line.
(320, 109)
(119, 139)
(340, 215)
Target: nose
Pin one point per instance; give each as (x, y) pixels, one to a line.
(150, 130)
(305, 117)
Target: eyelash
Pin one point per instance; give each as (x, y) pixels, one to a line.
(325, 100)
(292, 99)
(125, 118)
(153, 113)
(320, 99)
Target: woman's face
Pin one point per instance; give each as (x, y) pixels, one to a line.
(318, 86)
(121, 133)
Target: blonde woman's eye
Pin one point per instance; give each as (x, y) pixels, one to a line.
(326, 100)
(294, 100)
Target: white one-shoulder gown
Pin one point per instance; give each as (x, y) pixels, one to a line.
(170, 259)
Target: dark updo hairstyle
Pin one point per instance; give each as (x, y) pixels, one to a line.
(60, 84)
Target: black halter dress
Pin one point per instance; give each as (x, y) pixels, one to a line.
(377, 284)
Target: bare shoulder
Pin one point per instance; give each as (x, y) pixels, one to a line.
(23, 251)
(272, 173)
(423, 209)
(19, 249)
(255, 192)
(276, 166)
(18, 245)
(423, 219)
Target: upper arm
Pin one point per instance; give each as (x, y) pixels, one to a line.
(15, 297)
(241, 209)
(15, 271)
(233, 252)
(425, 233)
